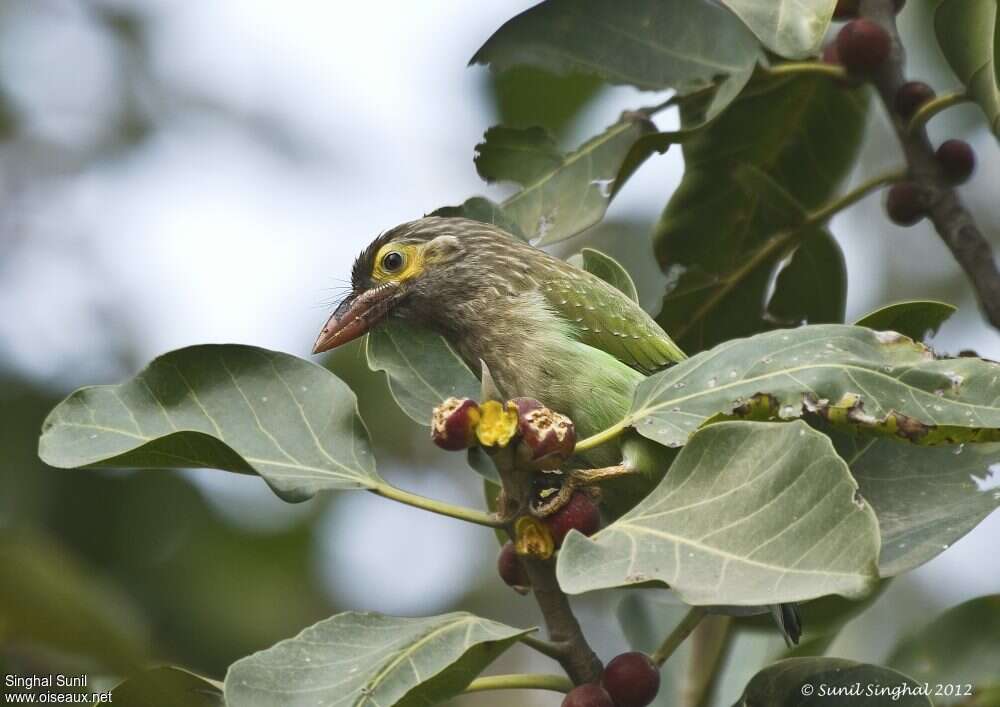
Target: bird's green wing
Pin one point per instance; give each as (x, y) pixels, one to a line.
(608, 320)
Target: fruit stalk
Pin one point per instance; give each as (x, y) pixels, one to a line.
(946, 211)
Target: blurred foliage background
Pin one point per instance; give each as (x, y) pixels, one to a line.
(174, 173)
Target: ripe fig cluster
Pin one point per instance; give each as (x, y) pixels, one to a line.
(629, 680)
(862, 47)
(547, 439)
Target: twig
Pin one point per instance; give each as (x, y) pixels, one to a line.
(469, 515)
(932, 107)
(554, 683)
(578, 659)
(710, 645)
(952, 220)
(807, 67)
(688, 624)
(555, 651)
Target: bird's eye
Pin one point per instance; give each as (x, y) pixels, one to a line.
(392, 261)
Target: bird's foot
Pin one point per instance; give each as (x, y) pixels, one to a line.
(554, 496)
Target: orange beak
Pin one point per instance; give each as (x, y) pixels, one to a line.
(355, 316)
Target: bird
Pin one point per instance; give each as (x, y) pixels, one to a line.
(544, 329)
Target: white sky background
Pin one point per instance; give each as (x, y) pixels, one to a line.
(203, 234)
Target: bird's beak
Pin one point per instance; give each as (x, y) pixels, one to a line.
(354, 317)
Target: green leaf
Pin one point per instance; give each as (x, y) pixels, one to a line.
(969, 34)
(237, 408)
(880, 382)
(750, 513)
(960, 647)
(527, 96)
(608, 269)
(916, 319)
(48, 599)
(796, 139)
(831, 682)
(813, 286)
(520, 155)
(651, 44)
(370, 659)
(789, 28)
(423, 370)
(562, 195)
(168, 686)
(925, 499)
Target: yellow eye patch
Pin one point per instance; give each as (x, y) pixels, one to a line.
(396, 262)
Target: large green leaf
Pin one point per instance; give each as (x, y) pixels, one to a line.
(915, 319)
(231, 407)
(526, 96)
(370, 659)
(651, 44)
(961, 647)
(925, 498)
(879, 382)
(726, 230)
(561, 194)
(969, 34)
(49, 600)
(750, 513)
(423, 370)
(831, 682)
(790, 28)
(167, 686)
(608, 269)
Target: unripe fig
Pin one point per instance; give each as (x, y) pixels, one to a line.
(590, 695)
(547, 438)
(631, 679)
(906, 204)
(910, 96)
(862, 46)
(453, 426)
(957, 160)
(511, 570)
(580, 513)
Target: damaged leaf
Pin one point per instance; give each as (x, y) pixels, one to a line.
(562, 194)
(750, 513)
(608, 269)
(881, 383)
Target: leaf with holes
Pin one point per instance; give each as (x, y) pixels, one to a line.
(725, 231)
(370, 659)
(789, 28)
(881, 383)
(423, 370)
(750, 513)
(960, 647)
(925, 499)
(562, 194)
(968, 32)
(826, 682)
(916, 319)
(608, 269)
(237, 408)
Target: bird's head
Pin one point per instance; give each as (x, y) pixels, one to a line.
(411, 272)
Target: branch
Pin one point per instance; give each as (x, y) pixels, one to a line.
(469, 515)
(952, 220)
(575, 655)
(555, 683)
